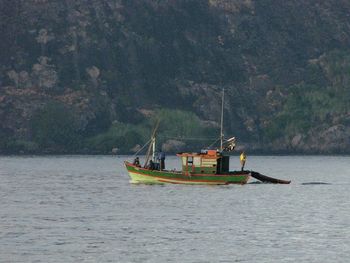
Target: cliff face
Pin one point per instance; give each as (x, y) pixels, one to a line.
(71, 71)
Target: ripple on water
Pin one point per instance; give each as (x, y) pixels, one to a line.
(74, 208)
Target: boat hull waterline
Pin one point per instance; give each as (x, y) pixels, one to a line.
(145, 176)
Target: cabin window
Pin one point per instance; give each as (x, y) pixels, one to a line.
(190, 161)
(197, 161)
(209, 162)
(184, 161)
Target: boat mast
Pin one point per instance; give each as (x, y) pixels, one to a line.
(153, 148)
(222, 120)
(152, 145)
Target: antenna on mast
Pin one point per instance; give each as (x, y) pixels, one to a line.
(222, 120)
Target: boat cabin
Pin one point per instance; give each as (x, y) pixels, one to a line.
(205, 162)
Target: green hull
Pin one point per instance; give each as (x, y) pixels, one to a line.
(146, 176)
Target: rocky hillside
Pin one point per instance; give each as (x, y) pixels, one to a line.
(87, 76)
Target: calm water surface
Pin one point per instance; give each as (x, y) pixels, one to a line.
(83, 209)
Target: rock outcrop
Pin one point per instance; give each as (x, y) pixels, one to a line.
(284, 67)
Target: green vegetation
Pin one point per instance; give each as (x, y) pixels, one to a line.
(285, 67)
(179, 123)
(186, 126)
(121, 136)
(55, 127)
(309, 105)
(22, 146)
(55, 130)
(174, 124)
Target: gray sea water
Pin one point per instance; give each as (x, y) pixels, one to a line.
(83, 209)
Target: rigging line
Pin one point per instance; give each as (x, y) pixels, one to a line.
(142, 148)
(214, 142)
(188, 138)
(222, 119)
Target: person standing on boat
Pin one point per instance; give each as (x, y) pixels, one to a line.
(161, 158)
(243, 158)
(150, 165)
(137, 161)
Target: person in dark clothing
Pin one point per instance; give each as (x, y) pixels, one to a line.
(137, 162)
(151, 165)
(161, 158)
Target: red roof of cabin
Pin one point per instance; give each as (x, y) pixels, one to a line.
(209, 154)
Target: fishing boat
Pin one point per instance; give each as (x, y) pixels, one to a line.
(205, 167)
(208, 167)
